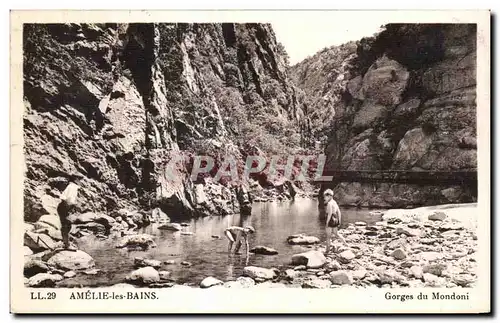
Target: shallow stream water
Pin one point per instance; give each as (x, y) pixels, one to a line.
(273, 222)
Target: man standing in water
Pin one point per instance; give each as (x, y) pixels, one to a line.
(333, 219)
(67, 204)
(238, 235)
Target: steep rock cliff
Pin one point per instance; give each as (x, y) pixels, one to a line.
(404, 99)
(109, 105)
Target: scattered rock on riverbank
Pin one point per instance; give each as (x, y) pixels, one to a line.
(263, 250)
(33, 267)
(164, 275)
(316, 283)
(144, 276)
(408, 250)
(170, 227)
(71, 260)
(437, 216)
(69, 274)
(310, 259)
(142, 262)
(341, 278)
(210, 282)
(44, 280)
(259, 273)
(142, 241)
(302, 239)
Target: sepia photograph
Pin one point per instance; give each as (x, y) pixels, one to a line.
(249, 155)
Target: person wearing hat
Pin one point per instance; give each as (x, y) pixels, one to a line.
(238, 235)
(333, 219)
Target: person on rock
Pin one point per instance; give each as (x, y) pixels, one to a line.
(238, 235)
(64, 209)
(333, 219)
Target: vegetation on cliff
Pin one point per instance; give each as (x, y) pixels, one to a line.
(111, 104)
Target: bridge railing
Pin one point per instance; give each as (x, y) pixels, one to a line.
(461, 177)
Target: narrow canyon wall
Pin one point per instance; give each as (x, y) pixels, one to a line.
(109, 105)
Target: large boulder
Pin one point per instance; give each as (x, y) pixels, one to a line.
(259, 273)
(51, 232)
(142, 241)
(44, 280)
(414, 145)
(52, 220)
(210, 282)
(311, 259)
(71, 260)
(302, 239)
(34, 266)
(263, 250)
(144, 276)
(40, 241)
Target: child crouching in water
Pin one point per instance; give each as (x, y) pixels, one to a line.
(238, 235)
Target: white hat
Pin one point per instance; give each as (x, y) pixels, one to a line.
(328, 192)
(250, 228)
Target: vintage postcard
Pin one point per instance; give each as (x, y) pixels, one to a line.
(250, 162)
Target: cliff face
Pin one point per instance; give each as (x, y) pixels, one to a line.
(404, 99)
(112, 104)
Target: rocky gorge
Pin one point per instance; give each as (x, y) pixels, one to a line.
(404, 99)
(108, 106)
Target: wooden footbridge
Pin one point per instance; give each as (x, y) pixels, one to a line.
(461, 178)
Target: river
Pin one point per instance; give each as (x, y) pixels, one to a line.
(273, 223)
